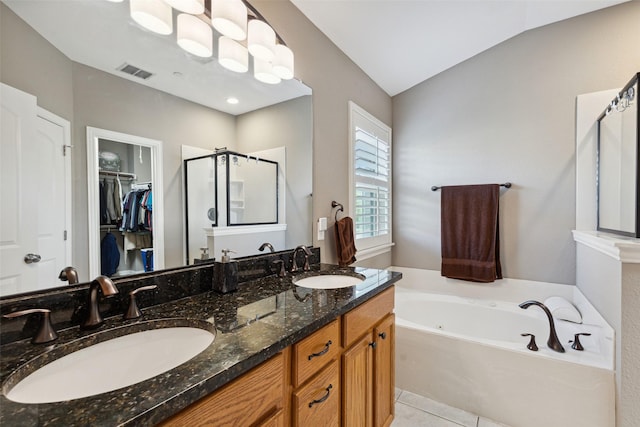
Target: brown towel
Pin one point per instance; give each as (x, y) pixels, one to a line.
(345, 243)
(470, 239)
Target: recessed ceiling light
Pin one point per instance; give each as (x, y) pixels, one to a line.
(232, 100)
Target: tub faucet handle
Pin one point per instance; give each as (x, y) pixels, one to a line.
(532, 342)
(577, 345)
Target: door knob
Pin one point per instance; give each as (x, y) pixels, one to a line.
(32, 258)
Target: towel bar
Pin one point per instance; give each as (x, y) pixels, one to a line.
(505, 185)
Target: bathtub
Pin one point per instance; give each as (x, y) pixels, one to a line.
(459, 343)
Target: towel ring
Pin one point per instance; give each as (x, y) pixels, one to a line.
(335, 204)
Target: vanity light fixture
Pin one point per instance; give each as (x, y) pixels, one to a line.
(194, 35)
(194, 7)
(232, 55)
(229, 17)
(154, 15)
(243, 30)
(263, 71)
(261, 40)
(283, 62)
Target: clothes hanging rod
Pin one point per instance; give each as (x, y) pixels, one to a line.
(118, 174)
(505, 185)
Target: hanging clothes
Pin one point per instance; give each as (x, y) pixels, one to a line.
(137, 211)
(109, 255)
(104, 216)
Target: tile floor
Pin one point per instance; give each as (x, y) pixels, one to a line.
(413, 410)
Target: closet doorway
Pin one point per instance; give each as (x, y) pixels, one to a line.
(125, 203)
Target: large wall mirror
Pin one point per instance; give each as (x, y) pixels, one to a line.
(69, 55)
(617, 167)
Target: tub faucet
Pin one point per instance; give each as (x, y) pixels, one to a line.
(553, 342)
(94, 318)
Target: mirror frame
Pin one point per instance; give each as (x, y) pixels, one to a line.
(93, 137)
(636, 231)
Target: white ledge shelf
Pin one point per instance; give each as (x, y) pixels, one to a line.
(244, 229)
(623, 249)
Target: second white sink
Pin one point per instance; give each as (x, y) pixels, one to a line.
(328, 281)
(112, 364)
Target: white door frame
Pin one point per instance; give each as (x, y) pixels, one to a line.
(93, 137)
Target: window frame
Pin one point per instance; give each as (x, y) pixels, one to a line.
(369, 246)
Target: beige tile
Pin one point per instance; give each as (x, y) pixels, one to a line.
(397, 393)
(485, 422)
(407, 416)
(456, 415)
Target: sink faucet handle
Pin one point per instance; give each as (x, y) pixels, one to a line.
(577, 345)
(279, 263)
(532, 342)
(133, 312)
(46, 333)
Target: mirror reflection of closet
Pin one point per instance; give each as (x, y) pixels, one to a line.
(125, 213)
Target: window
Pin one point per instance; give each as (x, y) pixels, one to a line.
(370, 181)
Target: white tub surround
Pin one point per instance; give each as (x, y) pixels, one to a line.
(459, 343)
(608, 273)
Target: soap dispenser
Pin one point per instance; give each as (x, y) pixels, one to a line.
(225, 274)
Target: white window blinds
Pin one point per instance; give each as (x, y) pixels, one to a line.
(370, 178)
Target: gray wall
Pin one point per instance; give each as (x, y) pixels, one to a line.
(109, 102)
(508, 114)
(33, 65)
(290, 125)
(335, 80)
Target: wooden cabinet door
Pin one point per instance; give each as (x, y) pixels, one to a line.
(357, 383)
(248, 400)
(383, 372)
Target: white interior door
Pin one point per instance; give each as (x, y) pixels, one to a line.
(52, 212)
(34, 195)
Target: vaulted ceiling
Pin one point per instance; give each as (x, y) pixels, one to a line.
(400, 43)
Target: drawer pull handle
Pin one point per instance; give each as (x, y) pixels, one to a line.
(323, 398)
(323, 351)
(373, 345)
(383, 335)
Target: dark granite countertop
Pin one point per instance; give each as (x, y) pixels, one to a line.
(262, 318)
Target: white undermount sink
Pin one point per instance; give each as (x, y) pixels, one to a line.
(111, 364)
(328, 281)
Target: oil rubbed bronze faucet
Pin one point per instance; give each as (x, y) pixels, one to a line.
(266, 245)
(69, 274)
(94, 318)
(294, 262)
(553, 342)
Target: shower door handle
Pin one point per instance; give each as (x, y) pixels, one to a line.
(32, 258)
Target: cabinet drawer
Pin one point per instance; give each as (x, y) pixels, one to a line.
(362, 318)
(318, 402)
(315, 351)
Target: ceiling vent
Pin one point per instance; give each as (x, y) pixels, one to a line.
(135, 71)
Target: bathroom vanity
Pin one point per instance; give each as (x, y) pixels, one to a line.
(282, 355)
